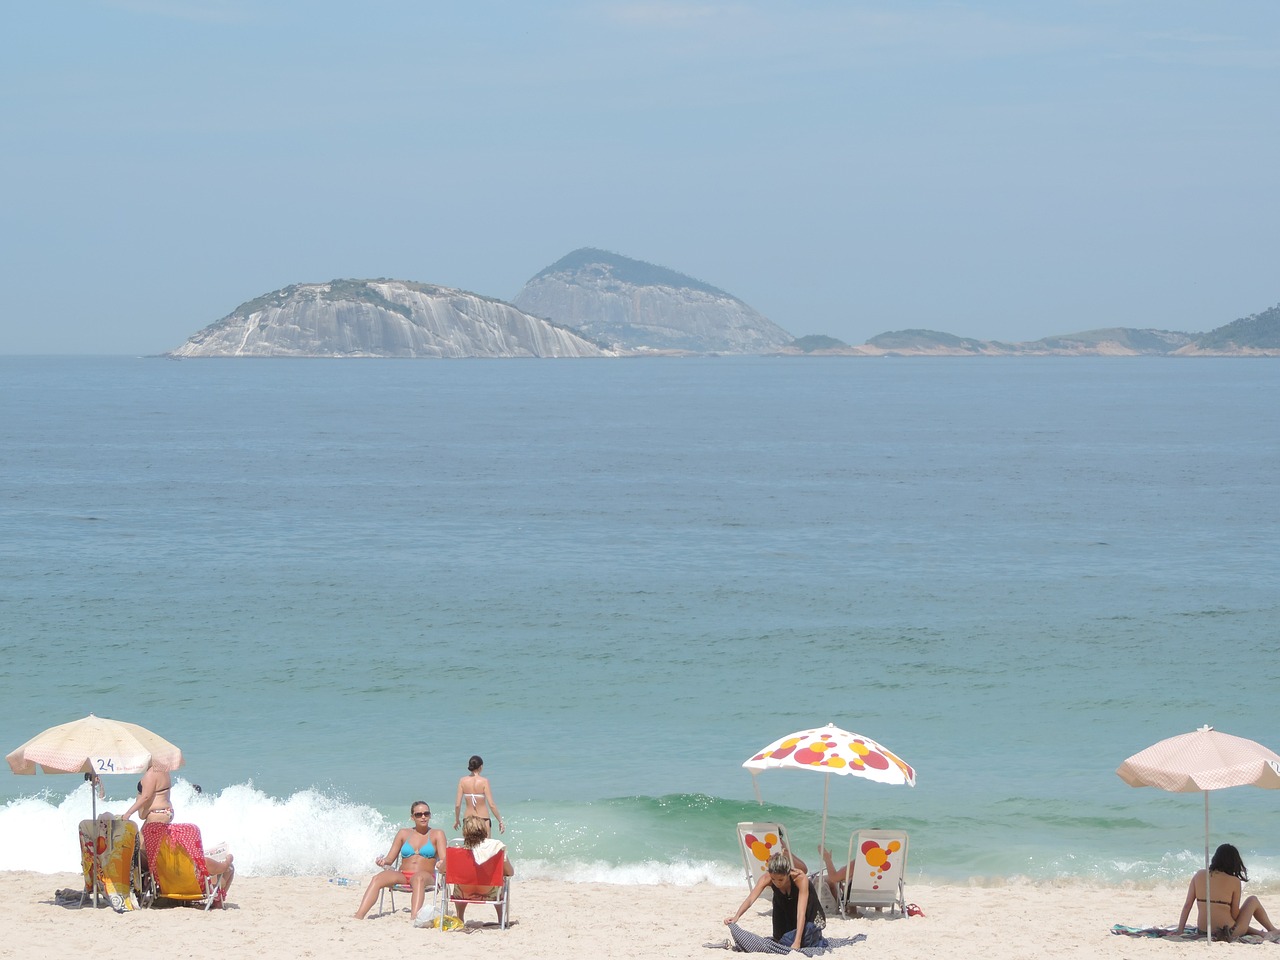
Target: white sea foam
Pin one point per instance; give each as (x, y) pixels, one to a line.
(307, 833)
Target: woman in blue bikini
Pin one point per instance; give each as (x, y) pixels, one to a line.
(417, 848)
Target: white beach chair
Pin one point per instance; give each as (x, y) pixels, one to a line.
(758, 841)
(876, 867)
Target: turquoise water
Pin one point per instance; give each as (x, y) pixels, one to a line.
(331, 582)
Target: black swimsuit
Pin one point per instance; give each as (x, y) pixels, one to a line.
(785, 906)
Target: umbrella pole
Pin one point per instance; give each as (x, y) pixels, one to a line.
(93, 796)
(826, 789)
(1208, 897)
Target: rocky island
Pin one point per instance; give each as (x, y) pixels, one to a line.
(592, 303)
(383, 318)
(638, 307)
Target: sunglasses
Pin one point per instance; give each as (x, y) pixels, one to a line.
(422, 813)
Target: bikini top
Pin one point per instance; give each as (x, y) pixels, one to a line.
(428, 849)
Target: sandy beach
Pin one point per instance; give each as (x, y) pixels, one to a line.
(310, 917)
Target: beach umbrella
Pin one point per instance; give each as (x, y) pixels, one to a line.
(94, 746)
(830, 750)
(1201, 761)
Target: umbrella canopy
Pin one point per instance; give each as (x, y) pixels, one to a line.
(831, 750)
(1201, 761)
(94, 745)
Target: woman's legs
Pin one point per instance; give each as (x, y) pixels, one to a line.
(421, 880)
(812, 937)
(387, 878)
(1250, 910)
(224, 870)
(835, 877)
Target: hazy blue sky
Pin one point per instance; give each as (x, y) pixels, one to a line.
(994, 169)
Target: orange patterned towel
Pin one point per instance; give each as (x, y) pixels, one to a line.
(106, 859)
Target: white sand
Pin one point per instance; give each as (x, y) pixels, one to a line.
(269, 918)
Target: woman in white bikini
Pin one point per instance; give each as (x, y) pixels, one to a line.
(1226, 916)
(474, 793)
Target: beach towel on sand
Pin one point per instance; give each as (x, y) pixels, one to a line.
(1191, 933)
(749, 942)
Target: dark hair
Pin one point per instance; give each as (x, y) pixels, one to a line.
(416, 802)
(474, 764)
(1226, 859)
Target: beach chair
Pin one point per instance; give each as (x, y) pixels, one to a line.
(175, 857)
(401, 888)
(759, 841)
(461, 869)
(877, 866)
(107, 848)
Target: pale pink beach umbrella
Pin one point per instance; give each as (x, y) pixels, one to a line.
(94, 746)
(1199, 762)
(830, 750)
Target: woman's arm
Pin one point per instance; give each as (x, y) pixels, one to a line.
(751, 898)
(493, 807)
(143, 803)
(1186, 906)
(394, 853)
(457, 805)
(802, 906)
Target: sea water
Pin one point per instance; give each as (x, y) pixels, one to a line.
(331, 582)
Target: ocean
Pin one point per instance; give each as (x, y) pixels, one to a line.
(331, 582)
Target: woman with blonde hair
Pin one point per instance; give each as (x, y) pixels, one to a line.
(475, 837)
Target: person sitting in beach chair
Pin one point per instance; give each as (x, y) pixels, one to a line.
(107, 859)
(873, 876)
(1228, 918)
(793, 898)
(417, 849)
(758, 841)
(179, 868)
(479, 871)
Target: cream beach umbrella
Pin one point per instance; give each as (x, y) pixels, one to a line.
(830, 750)
(94, 746)
(1201, 761)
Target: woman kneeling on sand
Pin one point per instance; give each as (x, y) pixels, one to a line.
(795, 904)
(1228, 917)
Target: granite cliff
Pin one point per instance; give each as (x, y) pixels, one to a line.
(382, 318)
(636, 306)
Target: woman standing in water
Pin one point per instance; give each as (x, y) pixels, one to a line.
(475, 795)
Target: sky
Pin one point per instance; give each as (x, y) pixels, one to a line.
(1002, 169)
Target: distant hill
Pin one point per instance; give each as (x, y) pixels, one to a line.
(1258, 334)
(382, 318)
(817, 342)
(639, 307)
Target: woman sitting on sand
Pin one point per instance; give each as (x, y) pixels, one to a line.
(793, 898)
(476, 797)
(417, 848)
(1228, 917)
(475, 837)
